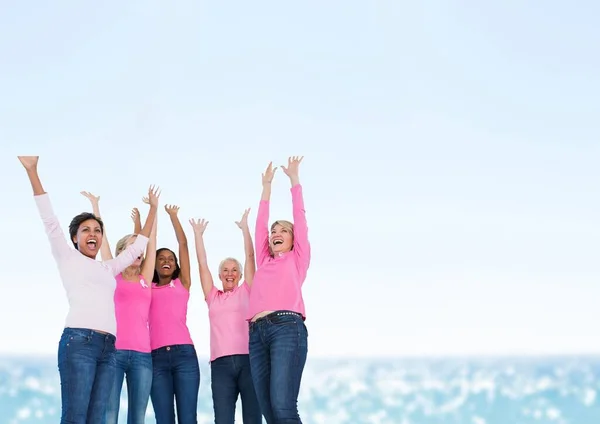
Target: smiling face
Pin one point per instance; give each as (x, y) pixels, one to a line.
(282, 237)
(88, 238)
(166, 265)
(230, 273)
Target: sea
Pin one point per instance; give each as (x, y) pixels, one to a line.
(504, 390)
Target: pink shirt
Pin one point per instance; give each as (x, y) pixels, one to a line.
(228, 325)
(168, 315)
(278, 281)
(90, 284)
(132, 307)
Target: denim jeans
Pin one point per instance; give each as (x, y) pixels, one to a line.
(176, 376)
(230, 377)
(278, 349)
(86, 364)
(137, 368)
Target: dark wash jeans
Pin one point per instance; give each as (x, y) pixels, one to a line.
(176, 375)
(230, 377)
(137, 368)
(278, 350)
(86, 364)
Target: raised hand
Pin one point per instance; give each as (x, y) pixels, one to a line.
(93, 199)
(243, 223)
(135, 215)
(29, 162)
(199, 225)
(269, 173)
(293, 165)
(153, 196)
(172, 210)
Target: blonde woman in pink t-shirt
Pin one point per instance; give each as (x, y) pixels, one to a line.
(132, 306)
(278, 336)
(176, 377)
(227, 309)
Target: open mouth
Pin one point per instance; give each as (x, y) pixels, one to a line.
(277, 242)
(92, 244)
(166, 266)
(230, 280)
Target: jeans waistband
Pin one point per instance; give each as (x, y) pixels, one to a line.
(98, 335)
(268, 317)
(175, 348)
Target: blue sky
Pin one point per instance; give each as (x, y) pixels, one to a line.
(450, 168)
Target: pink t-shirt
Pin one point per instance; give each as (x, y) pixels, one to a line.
(132, 307)
(228, 325)
(168, 315)
(278, 281)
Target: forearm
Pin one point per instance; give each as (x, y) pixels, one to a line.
(248, 244)
(137, 226)
(34, 180)
(179, 233)
(294, 180)
(200, 250)
(266, 192)
(149, 224)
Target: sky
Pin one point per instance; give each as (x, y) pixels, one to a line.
(450, 171)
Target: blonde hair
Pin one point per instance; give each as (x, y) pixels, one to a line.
(285, 224)
(238, 264)
(122, 243)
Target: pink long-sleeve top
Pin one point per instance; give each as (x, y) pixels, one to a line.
(278, 280)
(89, 284)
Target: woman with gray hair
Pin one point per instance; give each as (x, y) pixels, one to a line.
(227, 309)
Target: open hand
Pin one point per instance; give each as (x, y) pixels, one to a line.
(93, 199)
(243, 223)
(172, 209)
(153, 196)
(269, 173)
(199, 225)
(29, 162)
(293, 165)
(135, 215)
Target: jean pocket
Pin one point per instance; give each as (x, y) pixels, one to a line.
(77, 337)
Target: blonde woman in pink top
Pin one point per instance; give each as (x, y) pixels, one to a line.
(176, 372)
(278, 336)
(132, 307)
(227, 308)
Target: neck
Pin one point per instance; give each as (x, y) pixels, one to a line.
(131, 273)
(163, 281)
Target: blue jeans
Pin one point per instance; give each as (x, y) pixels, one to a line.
(278, 349)
(138, 368)
(176, 376)
(230, 377)
(86, 364)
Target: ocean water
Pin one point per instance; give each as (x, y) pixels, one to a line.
(403, 391)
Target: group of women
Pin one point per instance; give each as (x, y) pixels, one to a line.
(127, 316)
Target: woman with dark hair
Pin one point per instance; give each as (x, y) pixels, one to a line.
(278, 336)
(132, 306)
(176, 372)
(86, 351)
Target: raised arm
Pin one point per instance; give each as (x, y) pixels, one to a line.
(184, 253)
(261, 230)
(249, 260)
(206, 279)
(150, 259)
(134, 250)
(301, 243)
(105, 252)
(58, 242)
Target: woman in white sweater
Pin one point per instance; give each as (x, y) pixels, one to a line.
(86, 351)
